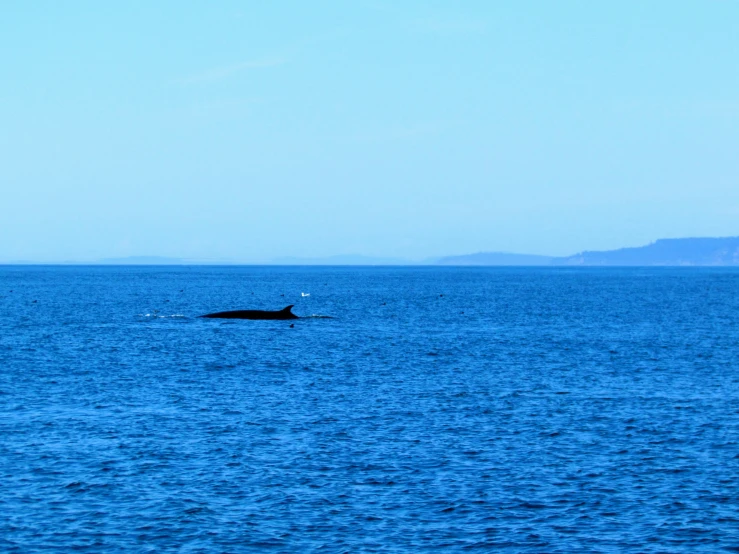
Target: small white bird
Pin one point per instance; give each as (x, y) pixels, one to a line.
(304, 294)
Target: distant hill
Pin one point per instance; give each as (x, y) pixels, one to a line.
(495, 258)
(664, 252)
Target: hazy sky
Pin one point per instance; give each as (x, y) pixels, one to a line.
(249, 130)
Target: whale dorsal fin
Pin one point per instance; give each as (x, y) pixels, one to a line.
(288, 308)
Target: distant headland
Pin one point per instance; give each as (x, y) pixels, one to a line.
(712, 252)
(663, 252)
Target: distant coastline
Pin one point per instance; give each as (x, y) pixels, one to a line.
(683, 252)
(710, 252)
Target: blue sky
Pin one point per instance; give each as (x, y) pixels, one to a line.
(252, 130)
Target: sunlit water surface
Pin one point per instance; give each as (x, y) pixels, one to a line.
(533, 410)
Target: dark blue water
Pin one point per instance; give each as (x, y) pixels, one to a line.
(527, 410)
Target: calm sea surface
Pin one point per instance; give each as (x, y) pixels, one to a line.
(520, 410)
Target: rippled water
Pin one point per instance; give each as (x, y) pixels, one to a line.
(533, 410)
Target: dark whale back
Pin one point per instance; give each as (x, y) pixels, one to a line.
(285, 313)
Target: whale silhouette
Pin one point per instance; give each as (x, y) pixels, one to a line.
(284, 313)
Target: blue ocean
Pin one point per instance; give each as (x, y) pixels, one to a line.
(436, 409)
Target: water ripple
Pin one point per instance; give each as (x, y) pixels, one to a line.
(527, 410)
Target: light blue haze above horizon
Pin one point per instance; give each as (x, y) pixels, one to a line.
(249, 131)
